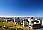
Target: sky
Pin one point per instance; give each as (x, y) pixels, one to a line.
(21, 7)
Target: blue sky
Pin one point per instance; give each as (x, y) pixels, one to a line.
(21, 7)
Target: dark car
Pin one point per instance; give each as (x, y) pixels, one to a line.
(36, 26)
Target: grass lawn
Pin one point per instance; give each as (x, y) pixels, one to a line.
(12, 24)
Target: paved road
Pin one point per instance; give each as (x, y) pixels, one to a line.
(39, 29)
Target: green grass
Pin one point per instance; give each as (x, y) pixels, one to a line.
(12, 24)
(7, 24)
